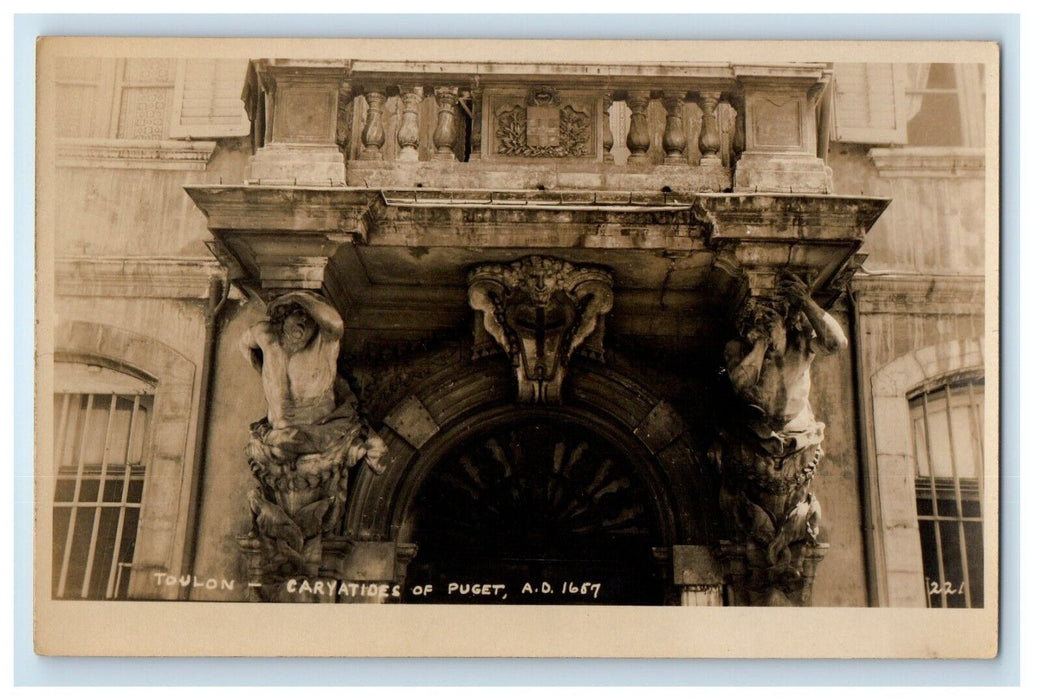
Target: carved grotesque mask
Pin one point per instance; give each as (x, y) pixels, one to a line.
(539, 310)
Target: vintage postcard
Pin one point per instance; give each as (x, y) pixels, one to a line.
(532, 348)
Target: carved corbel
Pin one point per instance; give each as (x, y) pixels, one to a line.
(539, 310)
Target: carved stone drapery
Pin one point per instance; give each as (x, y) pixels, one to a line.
(769, 452)
(301, 452)
(539, 310)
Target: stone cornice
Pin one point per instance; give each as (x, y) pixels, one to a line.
(922, 294)
(133, 154)
(928, 162)
(685, 76)
(170, 278)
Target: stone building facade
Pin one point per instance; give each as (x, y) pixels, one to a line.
(551, 278)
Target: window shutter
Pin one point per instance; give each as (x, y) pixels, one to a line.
(84, 99)
(869, 103)
(207, 99)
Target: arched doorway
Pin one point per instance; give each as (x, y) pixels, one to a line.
(638, 467)
(539, 506)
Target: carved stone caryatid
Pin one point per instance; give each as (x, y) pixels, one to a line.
(408, 128)
(608, 134)
(674, 138)
(372, 136)
(638, 140)
(445, 131)
(709, 140)
(302, 450)
(769, 454)
(540, 310)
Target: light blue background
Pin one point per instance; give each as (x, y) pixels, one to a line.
(33, 670)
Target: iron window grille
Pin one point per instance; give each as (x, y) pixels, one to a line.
(100, 448)
(946, 421)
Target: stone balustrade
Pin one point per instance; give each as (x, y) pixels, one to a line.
(688, 127)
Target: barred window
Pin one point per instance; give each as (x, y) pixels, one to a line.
(100, 443)
(948, 443)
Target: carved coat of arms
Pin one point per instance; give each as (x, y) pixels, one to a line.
(542, 128)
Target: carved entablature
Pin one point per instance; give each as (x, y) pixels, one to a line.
(539, 310)
(544, 123)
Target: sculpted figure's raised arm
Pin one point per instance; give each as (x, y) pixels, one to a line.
(295, 350)
(769, 363)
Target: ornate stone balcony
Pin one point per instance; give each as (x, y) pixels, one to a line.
(698, 127)
(384, 184)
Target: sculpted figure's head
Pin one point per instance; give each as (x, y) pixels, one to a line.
(295, 326)
(761, 318)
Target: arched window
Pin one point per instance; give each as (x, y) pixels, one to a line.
(948, 453)
(927, 416)
(103, 417)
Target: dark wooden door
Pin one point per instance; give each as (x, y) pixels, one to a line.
(539, 511)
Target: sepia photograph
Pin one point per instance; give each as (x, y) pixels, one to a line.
(534, 348)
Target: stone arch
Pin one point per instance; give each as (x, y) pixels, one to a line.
(895, 461)
(164, 511)
(444, 408)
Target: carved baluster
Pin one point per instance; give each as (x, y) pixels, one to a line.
(444, 132)
(608, 135)
(709, 139)
(674, 139)
(738, 103)
(475, 125)
(408, 129)
(372, 136)
(639, 138)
